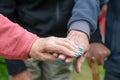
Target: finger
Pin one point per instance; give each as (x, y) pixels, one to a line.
(99, 57)
(102, 62)
(68, 44)
(79, 63)
(62, 57)
(65, 51)
(53, 43)
(88, 57)
(69, 60)
(89, 62)
(107, 53)
(55, 54)
(46, 57)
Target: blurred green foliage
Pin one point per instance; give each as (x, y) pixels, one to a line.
(86, 73)
(3, 70)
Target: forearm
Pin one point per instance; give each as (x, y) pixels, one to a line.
(87, 11)
(15, 41)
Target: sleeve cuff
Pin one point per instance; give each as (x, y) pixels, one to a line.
(81, 26)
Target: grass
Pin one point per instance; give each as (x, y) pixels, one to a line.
(3, 70)
(85, 74)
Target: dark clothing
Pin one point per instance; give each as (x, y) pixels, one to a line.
(50, 18)
(96, 36)
(14, 66)
(112, 64)
(112, 40)
(112, 76)
(46, 18)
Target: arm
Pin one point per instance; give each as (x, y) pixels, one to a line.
(83, 23)
(97, 48)
(8, 8)
(17, 43)
(85, 15)
(81, 20)
(84, 20)
(12, 37)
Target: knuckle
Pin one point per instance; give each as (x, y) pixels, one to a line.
(109, 52)
(51, 37)
(100, 55)
(105, 52)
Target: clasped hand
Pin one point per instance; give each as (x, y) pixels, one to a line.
(61, 49)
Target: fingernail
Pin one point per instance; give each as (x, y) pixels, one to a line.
(59, 61)
(81, 53)
(80, 48)
(76, 54)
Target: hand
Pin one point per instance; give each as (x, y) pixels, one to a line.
(99, 51)
(43, 48)
(25, 75)
(82, 40)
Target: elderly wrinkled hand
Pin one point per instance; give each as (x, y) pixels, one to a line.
(80, 39)
(44, 48)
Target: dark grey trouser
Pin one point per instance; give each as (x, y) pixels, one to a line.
(112, 76)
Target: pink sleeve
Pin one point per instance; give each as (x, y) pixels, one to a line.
(15, 42)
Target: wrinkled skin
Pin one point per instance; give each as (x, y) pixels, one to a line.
(82, 40)
(99, 51)
(44, 48)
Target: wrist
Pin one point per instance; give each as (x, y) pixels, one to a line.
(82, 26)
(37, 46)
(75, 33)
